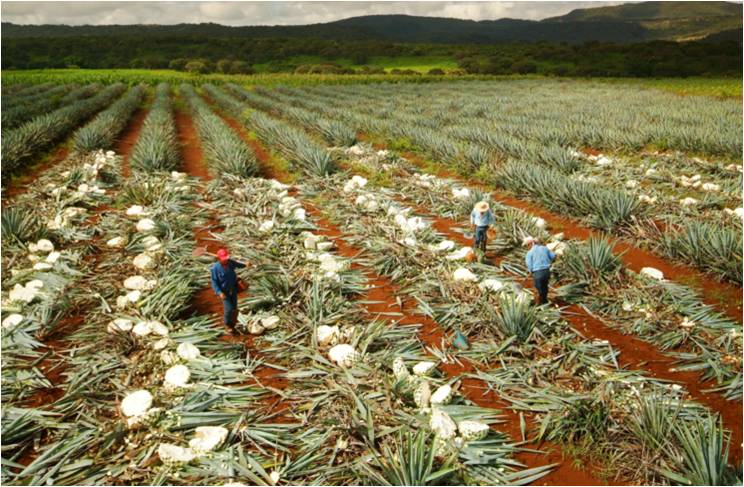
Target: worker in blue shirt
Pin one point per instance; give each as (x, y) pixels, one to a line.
(538, 260)
(225, 285)
(481, 218)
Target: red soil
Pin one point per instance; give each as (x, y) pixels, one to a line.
(432, 335)
(191, 153)
(204, 301)
(126, 142)
(725, 297)
(20, 184)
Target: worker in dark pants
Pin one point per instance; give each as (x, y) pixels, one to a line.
(481, 218)
(225, 285)
(538, 260)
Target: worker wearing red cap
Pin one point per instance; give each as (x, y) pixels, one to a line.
(225, 285)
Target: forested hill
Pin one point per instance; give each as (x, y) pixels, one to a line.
(620, 24)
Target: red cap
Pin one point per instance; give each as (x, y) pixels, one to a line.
(223, 255)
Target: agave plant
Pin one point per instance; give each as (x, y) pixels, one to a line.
(412, 462)
(705, 454)
(516, 317)
(592, 261)
(20, 225)
(654, 421)
(157, 146)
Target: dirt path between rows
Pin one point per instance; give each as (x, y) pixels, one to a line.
(204, 301)
(724, 296)
(126, 143)
(20, 184)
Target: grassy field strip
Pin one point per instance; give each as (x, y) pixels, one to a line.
(29, 79)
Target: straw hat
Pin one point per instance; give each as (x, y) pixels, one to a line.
(481, 206)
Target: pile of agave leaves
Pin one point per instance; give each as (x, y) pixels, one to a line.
(152, 393)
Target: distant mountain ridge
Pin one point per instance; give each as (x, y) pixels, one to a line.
(622, 24)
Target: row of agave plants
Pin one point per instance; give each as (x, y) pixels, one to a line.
(305, 154)
(15, 92)
(156, 148)
(611, 118)
(687, 232)
(26, 109)
(106, 127)
(572, 385)
(223, 148)
(23, 144)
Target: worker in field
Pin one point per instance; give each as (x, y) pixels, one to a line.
(481, 218)
(226, 285)
(539, 259)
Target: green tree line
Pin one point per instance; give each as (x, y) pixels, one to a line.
(722, 57)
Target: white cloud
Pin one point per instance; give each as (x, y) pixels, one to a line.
(268, 13)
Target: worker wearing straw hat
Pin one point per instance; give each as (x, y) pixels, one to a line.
(225, 285)
(481, 218)
(539, 259)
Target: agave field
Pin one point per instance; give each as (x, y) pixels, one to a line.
(351, 203)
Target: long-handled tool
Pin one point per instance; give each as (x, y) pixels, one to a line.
(201, 251)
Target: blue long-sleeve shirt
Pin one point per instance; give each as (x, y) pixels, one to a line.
(539, 258)
(482, 219)
(224, 279)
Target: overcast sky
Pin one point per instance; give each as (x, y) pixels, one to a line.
(268, 13)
